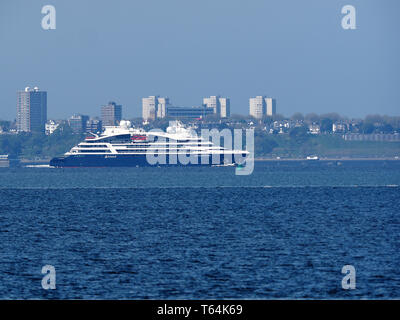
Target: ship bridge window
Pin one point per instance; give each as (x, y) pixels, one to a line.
(94, 151)
(94, 146)
(117, 139)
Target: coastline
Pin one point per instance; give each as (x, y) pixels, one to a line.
(260, 159)
(330, 159)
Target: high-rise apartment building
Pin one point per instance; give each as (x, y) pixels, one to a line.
(93, 125)
(154, 107)
(163, 104)
(270, 106)
(77, 123)
(213, 102)
(225, 107)
(31, 110)
(149, 108)
(221, 106)
(262, 106)
(111, 114)
(257, 107)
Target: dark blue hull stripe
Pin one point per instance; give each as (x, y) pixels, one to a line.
(121, 161)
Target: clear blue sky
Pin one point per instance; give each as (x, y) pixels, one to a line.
(295, 51)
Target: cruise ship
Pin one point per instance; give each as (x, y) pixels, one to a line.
(125, 146)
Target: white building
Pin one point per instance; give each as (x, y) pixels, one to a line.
(149, 108)
(271, 106)
(338, 127)
(225, 107)
(51, 126)
(161, 108)
(262, 106)
(212, 102)
(220, 105)
(314, 128)
(154, 107)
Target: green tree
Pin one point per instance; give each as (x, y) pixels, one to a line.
(298, 133)
(263, 144)
(312, 118)
(297, 117)
(367, 128)
(5, 125)
(326, 125)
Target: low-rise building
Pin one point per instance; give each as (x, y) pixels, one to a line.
(51, 126)
(388, 137)
(189, 112)
(314, 128)
(339, 127)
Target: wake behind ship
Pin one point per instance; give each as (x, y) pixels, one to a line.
(124, 146)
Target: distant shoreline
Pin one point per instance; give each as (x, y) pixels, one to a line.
(46, 161)
(329, 159)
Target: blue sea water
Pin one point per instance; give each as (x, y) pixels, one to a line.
(284, 232)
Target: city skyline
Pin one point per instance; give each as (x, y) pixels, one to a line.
(301, 56)
(153, 108)
(31, 114)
